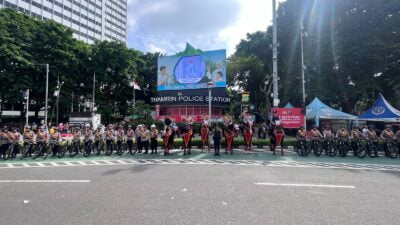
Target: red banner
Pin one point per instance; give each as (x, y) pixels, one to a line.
(290, 117)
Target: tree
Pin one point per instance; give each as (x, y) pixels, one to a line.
(351, 51)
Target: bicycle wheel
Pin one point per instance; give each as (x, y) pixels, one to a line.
(361, 151)
(332, 151)
(317, 150)
(342, 151)
(88, 150)
(109, 149)
(25, 151)
(38, 151)
(61, 152)
(47, 150)
(392, 151)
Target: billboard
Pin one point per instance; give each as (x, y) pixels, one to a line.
(192, 71)
(290, 117)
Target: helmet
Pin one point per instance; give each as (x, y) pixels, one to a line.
(87, 125)
(129, 126)
(388, 126)
(371, 126)
(27, 127)
(355, 127)
(153, 126)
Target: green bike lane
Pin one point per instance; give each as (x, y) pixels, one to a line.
(257, 155)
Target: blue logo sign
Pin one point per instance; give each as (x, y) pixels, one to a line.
(190, 69)
(378, 110)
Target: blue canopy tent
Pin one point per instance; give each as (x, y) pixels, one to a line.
(288, 106)
(318, 110)
(382, 111)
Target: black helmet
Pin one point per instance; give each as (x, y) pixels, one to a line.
(387, 126)
(371, 126)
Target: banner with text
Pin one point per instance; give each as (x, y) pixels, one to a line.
(290, 118)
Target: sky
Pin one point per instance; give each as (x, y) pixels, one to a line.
(166, 25)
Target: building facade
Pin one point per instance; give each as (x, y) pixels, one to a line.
(89, 19)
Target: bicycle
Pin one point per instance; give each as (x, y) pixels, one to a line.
(372, 147)
(110, 147)
(391, 150)
(316, 147)
(27, 149)
(330, 148)
(74, 149)
(302, 149)
(360, 149)
(39, 149)
(11, 151)
(343, 147)
(88, 148)
(63, 149)
(98, 147)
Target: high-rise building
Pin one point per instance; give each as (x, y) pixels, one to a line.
(89, 19)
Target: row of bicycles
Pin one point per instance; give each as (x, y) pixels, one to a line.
(339, 146)
(68, 148)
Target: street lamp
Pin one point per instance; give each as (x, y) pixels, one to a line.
(209, 85)
(303, 67)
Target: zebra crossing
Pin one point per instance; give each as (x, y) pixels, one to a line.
(264, 163)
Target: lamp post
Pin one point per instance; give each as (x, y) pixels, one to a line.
(94, 92)
(47, 94)
(302, 70)
(274, 56)
(27, 107)
(209, 85)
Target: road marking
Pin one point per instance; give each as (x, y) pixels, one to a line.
(160, 161)
(306, 185)
(44, 181)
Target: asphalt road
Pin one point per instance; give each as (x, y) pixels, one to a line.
(198, 194)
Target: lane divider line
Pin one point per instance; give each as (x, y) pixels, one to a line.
(44, 181)
(306, 185)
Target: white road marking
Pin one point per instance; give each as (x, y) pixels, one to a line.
(26, 201)
(306, 185)
(69, 164)
(95, 162)
(44, 181)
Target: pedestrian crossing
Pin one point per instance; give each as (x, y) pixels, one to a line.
(112, 162)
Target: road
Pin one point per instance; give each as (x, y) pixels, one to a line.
(198, 194)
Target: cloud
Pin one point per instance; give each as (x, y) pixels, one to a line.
(169, 24)
(166, 25)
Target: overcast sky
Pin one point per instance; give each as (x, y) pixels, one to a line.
(166, 25)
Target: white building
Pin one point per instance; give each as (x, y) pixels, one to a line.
(89, 19)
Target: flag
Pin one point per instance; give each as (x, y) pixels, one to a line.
(135, 85)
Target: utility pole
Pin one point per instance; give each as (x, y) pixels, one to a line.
(275, 56)
(303, 69)
(94, 92)
(72, 101)
(47, 95)
(27, 107)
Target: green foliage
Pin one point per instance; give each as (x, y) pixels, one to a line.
(351, 52)
(141, 111)
(26, 44)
